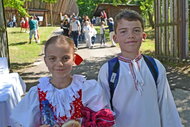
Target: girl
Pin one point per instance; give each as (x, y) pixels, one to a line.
(22, 24)
(63, 97)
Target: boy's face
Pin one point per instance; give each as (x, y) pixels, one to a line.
(129, 35)
(59, 59)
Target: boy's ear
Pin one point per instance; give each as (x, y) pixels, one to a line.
(144, 36)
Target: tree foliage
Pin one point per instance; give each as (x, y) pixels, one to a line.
(87, 7)
(50, 1)
(17, 4)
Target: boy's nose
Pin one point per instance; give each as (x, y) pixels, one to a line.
(130, 34)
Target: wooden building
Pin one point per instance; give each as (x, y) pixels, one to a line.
(112, 10)
(49, 14)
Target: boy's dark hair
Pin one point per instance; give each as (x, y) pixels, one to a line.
(129, 15)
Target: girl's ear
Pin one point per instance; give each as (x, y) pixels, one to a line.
(144, 36)
(115, 38)
(45, 60)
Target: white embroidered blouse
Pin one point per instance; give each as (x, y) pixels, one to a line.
(27, 112)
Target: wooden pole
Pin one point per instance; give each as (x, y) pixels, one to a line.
(4, 51)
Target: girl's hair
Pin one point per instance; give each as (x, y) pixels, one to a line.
(129, 15)
(59, 39)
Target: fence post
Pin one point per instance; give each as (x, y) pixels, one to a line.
(4, 52)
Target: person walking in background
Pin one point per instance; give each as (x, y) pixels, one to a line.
(33, 29)
(103, 16)
(102, 34)
(136, 84)
(63, 97)
(75, 29)
(87, 29)
(65, 26)
(14, 21)
(37, 29)
(94, 32)
(111, 31)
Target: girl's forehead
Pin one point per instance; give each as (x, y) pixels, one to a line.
(55, 47)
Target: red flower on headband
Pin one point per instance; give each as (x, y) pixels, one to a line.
(78, 59)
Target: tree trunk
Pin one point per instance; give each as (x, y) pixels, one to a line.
(51, 14)
(150, 17)
(4, 52)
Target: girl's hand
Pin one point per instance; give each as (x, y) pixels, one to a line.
(72, 123)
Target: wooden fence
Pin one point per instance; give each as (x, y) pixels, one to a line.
(51, 13)
(171, 29)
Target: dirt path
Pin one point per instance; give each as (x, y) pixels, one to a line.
(94, 58)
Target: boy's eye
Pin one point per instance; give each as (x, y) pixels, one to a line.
(122, 31)
(137, 31)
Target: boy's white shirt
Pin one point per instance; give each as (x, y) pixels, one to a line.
(27, 112)
(153, 107)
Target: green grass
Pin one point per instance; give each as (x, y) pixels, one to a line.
(21, 53)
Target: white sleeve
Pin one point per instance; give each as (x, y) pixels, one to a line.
(103, 81)
(168, 112)
(93, 96)
(27, 112)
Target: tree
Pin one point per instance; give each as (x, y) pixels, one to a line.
(147, 9)
(3, 34)
(18, 5)
(87, 7)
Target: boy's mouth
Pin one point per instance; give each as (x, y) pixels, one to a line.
(129, 42)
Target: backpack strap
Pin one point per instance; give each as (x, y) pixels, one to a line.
(152, 67)
(113, 69)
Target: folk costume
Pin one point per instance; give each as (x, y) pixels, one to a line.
(73, 102)
(137, 100)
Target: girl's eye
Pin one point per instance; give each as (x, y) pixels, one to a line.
(66, 58)
(52, 59)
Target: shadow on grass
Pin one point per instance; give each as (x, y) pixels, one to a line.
(90, 68)
(19, 43)
(178, 79)
(19, 66)
(15, 32)
(31, 78)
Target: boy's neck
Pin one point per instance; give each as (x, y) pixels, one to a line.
(61, 83)
(130, 56)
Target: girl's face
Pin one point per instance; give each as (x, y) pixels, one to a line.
(59, 60)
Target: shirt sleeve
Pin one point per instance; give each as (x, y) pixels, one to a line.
(27, 112)
(93, 96)
(103, 81)
(168, 112)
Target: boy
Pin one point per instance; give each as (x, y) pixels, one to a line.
(138, 100)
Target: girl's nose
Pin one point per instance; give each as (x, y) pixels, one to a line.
(60, 63)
